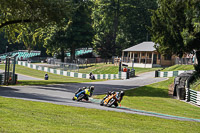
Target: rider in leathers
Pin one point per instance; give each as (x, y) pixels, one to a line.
(87, 91)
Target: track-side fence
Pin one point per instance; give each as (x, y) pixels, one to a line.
(120, 75)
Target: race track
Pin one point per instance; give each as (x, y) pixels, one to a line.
(63, 93)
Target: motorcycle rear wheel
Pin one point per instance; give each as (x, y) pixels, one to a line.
(116, 104)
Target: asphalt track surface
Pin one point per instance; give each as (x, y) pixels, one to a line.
(62, 94)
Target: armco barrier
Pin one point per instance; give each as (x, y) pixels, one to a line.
(192, 96)
(120, 75)
(169, 73)
(195, 97)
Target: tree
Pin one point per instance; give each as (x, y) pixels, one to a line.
(135, 20)
(191, 34)
(167, 24)
(106, 25)
(20, 19)
(175, 27)
(120, 24)
(77, 33)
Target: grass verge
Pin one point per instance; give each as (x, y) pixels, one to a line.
(195, 85)
(155, 98)
(53, 78)
(26, 116)
(111, 69)
(179, 67)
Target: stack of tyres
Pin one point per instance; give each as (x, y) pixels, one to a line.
(180, 85)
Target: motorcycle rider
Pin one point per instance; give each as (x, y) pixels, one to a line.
(87, 91)
(108, 94)
(119, 95)
(116, 95)
(80, 89)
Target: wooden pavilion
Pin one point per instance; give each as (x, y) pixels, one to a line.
(146, 56)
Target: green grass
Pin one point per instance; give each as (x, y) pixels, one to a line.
(111, 69)
(195, 85)
(100, 69)
(53, 78)
(155, 98)
(143, 70)
(21, 116)
(179, 67)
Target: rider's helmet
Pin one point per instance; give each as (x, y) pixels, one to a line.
(122, 93)
(91, 88)
(84, 88)
(109, 92)
(113, 92)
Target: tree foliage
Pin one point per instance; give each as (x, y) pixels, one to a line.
(120, 24)
(66, 24)
(77, 32)
(175, 26)
(22, 19)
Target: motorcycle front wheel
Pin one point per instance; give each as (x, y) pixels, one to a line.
(111, 102)
(102, 102)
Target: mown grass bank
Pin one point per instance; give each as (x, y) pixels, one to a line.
(53, 78)
(179, 67)
(155, 98)
(26, 116)
(112, 69)
(195, 85)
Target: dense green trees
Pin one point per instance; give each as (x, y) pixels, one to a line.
(106, 22)
(21, 19)
(175, 27)
(66, 24)
(77, 32)
(120, 24)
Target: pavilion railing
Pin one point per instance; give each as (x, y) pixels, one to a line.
(137, 60)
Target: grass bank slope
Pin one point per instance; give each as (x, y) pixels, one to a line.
(179, 67)
(53, 78)
(155, 98)
(26, 116)
(111, 69)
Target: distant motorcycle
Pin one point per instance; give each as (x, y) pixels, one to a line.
(112, 99)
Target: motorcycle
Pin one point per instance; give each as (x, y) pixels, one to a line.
(83, 94)
(109, 101)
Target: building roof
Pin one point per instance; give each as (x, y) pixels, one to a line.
(144, 46)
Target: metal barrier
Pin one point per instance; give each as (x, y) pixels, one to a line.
(170, 73)
(192, 96)
(182, 89)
